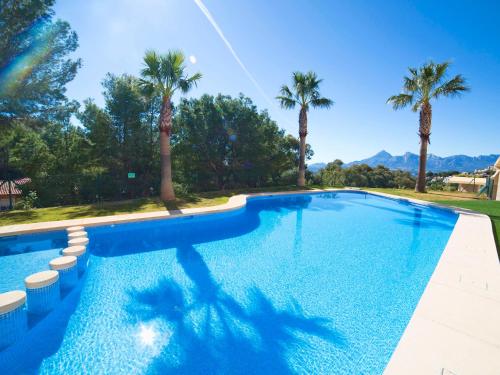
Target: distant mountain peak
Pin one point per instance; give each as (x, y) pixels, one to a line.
(409, 162)
(383, 153)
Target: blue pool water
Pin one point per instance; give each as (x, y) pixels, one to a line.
(20, 256)
(310, 284)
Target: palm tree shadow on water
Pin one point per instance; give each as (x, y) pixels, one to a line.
(212, 333)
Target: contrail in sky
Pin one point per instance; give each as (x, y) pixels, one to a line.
(210, 19)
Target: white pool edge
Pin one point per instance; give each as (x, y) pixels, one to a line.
(455, 328)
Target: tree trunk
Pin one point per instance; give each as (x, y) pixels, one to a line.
(424, 134)
(301, 181)
(166, 187)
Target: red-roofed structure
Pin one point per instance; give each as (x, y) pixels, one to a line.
(10, 191)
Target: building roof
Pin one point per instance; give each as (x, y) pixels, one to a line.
(466, 180)
(4, 186)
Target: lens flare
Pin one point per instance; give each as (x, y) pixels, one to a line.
(40, 37)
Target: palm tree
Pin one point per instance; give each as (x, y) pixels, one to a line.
(424, 84)
(304, 93)
(163, 75)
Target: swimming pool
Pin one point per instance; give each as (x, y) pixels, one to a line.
(312, 283)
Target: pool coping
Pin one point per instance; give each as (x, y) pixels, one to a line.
(455, 328)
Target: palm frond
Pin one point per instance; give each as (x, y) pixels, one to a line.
(426, 83)
(186, 84)
(410, 84)
(285, 91)
(417, 104)
(286, 102)
(151, 67)
(299, 84)
(304, 92)
(413, 72)
(454, 87)
(400, 101)
(322, 103)
(166, 73)
(440, 71)
(172, 67)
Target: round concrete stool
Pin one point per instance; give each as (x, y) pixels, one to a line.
(68, 271)
(77, 234)
(81, 255)
(42, 291)
(77, 228)
(80, 241)
(13, 318)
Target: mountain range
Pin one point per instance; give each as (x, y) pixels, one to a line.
(409, 162)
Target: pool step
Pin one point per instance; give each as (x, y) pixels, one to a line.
(43, 289)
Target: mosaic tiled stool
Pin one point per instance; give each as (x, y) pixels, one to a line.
(68, 270)
(42, 291)
(13, 318)
(79, 241)
(81, 254)
(77, 228)
(77, 234)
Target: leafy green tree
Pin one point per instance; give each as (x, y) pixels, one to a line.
(403, 179)
(422, 86)
(121, 138)
(34, 63)
(224, 142)
(29, 153)
(69, 146)
(101, 134)
(126, 107)
(332, 174)
(363, 175)
(304, 93)
(381, 176)
(164, 75)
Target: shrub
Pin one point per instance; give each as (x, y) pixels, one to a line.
(28, 201)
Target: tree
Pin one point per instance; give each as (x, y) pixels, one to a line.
(332, 174)
(164, 75)
(304, 93)
(102, 136)
(34, 63)
(127, 109)
(423, 85)
(224, 142)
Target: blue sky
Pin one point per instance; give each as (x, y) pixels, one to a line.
(360, 48)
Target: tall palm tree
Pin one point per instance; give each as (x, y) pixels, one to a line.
(304, 93)
(164, 75)
(420, 87)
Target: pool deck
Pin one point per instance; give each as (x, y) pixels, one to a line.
(455, 328)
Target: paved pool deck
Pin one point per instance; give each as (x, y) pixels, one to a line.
(455, 328)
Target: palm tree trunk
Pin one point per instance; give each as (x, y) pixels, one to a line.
(424, 133)
(301, 181)
(166, 187)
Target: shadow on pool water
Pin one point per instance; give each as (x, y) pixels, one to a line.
(214, 333)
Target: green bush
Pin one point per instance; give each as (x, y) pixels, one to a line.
(28, 202)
